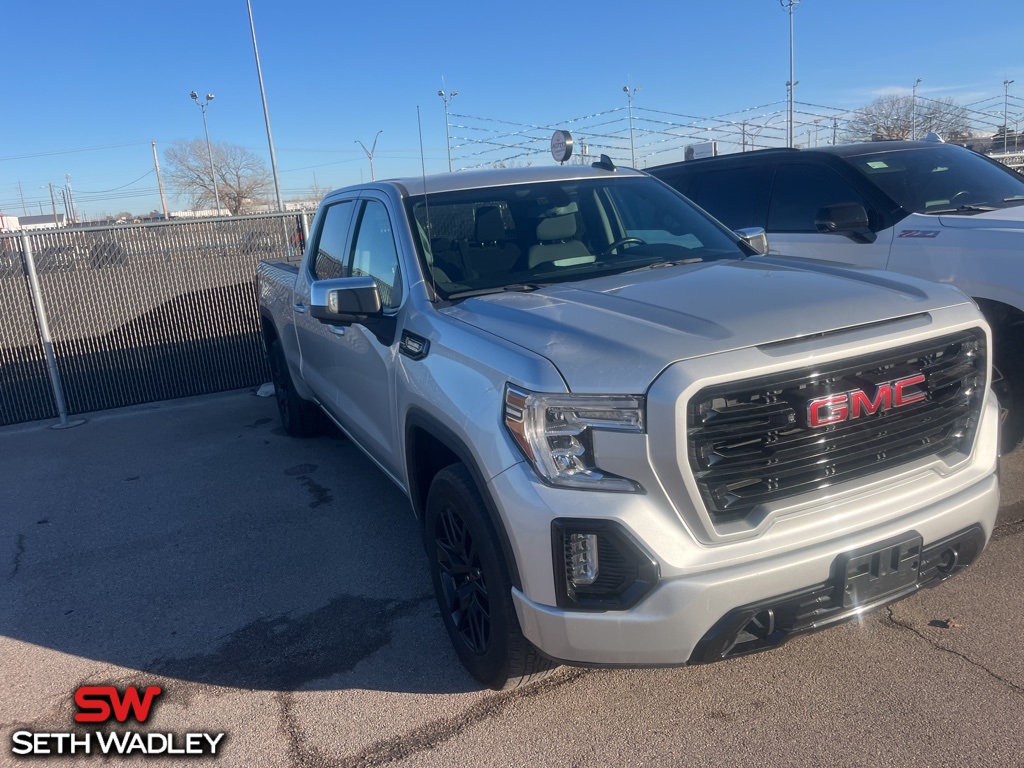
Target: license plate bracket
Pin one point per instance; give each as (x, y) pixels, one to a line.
(871, 573)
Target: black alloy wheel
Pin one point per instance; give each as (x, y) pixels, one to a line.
(473, 586)
(462, 580)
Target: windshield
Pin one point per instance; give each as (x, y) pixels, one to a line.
(521, 237)
(942, 179)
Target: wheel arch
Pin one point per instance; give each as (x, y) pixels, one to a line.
(1000, 315)
(268, 329)
(430, 446)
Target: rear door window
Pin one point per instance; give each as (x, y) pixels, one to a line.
(801, 190)
(738, 197)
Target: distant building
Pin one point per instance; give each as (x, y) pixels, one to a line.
(47, 221)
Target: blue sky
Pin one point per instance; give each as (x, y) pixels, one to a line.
(88, 86)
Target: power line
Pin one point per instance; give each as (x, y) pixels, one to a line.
(115, 189)
(71, 151)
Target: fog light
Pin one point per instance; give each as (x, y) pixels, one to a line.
(599, 566)
(583, 560)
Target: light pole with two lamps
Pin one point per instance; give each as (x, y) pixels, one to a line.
(1006, 99)
(369, 152)
(913, 96)
(629, 97)
(790, 131)
(209, 149)
(789, 4)
(447, 97)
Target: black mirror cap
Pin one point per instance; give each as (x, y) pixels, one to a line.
(847, 219)
(345, 300)
(756, 238)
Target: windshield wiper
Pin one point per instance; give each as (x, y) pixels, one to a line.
(658, 264)
(1014, 199)
(515, 287)
(962, 209)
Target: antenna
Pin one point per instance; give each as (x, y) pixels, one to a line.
(428, 246)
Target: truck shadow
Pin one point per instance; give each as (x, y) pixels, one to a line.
(285, 565)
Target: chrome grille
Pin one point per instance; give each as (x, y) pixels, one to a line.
(750, 442)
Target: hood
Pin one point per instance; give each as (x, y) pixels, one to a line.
(1004, 218)
(616, 334)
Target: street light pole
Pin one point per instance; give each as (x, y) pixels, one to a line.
(209, 148)
(629, 98)
(788, 4)
(790, 134)
(266, 112)
(447, 97)
(1006, 99)
(913, 96)
(369, 152)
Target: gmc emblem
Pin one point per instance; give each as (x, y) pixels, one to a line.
(834, 409)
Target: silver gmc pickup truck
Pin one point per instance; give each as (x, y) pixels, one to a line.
(626, 442)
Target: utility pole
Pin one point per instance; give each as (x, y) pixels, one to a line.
(21, 192)
(159, 182)
(53, 202)
(72, 211)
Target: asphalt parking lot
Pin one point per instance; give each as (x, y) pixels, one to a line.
(276, 590)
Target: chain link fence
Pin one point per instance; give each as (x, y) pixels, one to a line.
(109, 317)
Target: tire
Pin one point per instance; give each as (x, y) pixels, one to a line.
(1008, 384)
(300, 418)
(472, 585)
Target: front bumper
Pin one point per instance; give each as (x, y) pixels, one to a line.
(709, 615)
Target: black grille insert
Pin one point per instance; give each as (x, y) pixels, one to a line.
(759, 440)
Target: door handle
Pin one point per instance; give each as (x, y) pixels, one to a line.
(337, 330)
(300, 308)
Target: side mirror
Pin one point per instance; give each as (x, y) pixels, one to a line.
(345, 300)
(755, 237)
(847, 219)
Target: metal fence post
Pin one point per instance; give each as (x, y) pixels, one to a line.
(44, 333)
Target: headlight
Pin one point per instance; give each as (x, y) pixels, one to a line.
(555, 432)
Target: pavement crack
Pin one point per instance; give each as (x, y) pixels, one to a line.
(436, 732)
(905, 625)
(300, 754)
(19, 550)
(1015, 528)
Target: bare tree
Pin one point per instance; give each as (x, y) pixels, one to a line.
(317, 192)
(510, 164)
(242, 177)
(893, 117)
